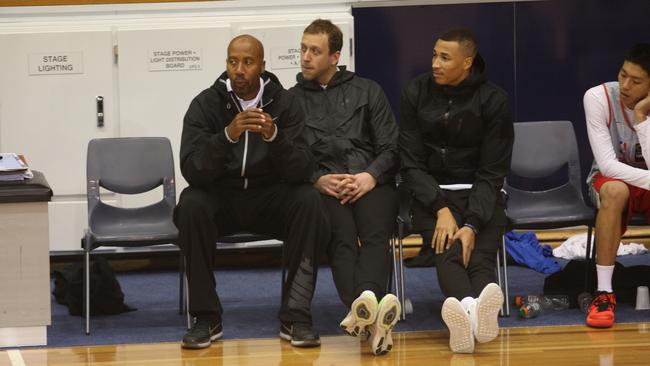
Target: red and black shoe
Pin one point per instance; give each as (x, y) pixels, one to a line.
(601, 311)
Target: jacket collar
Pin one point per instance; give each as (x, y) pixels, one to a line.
(271, 82)
(340, 77)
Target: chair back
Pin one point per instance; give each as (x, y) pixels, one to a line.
(130, 165)
(543, 148)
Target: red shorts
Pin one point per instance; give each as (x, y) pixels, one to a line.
(639, 200)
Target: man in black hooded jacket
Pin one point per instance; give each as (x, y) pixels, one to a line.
(353, 136)
(456, 137)
(247, 163)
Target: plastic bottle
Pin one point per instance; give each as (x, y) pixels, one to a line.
(584, 301)
(533, 305)
(555, 302)
(530, 310)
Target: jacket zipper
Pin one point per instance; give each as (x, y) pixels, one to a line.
(443, 150)
(243, 163)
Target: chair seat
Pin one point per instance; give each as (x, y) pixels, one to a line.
(132, 226)
(243, 236)
(547, 209)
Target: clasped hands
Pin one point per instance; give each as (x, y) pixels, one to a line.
(347, 188)
(253, 120)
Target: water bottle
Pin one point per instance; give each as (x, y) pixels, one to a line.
(584, 301)
(530, 310)
(533, 305)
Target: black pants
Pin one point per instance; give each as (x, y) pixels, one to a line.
(456, 280)
(359, 249)
(292, 213)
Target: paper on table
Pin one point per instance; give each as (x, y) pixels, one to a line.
(12, 168)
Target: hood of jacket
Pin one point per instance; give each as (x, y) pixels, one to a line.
(271, 84)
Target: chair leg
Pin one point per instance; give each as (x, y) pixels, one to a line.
(87, 287)
(590, 258)
(181, 285)
(389, 280)
(187, 295)
(502, 312)
(505, 275)
(284, 274)
(400, 269)
(395, 274)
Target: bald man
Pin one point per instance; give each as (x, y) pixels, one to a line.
(247, 165)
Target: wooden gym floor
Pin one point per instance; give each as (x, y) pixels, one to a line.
(624, 344)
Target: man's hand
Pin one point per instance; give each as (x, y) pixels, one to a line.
(446, 228)
(467, 240)
(254, 120)
(641, 109)
(268, 127)
(362, 183)
(330, 184)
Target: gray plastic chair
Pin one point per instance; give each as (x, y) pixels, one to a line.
(130, 165)
(542, 149)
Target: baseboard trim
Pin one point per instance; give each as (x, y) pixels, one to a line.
(23, 336)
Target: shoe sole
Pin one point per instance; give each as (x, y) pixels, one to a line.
(213, 338)
(382, 349)
(287, 337)
(364, 311)
(387, 318)
(600, 323)
(461, 339)
(487, 311)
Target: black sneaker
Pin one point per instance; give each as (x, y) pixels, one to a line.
(203, 332)
(300, 334)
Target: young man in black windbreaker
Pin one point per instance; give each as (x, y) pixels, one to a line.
(456, 137)
(353, 136)
(247, 163)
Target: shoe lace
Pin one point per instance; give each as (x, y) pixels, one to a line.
(604, 301)
(300, 327)
(200, 326)
(302, 330)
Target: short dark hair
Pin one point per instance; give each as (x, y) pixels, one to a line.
(334, 34)
(464, 37)
(639, 54)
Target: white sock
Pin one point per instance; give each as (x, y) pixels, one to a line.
(604, 277)
(466, 302)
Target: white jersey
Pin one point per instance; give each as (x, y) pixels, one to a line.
(620, 146)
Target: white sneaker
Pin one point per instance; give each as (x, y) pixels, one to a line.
(363, 312)
(381, 340)
(485, 313)
(461, 339)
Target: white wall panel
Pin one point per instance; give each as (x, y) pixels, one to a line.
(153, 103)
(278, 35)
(51, 117)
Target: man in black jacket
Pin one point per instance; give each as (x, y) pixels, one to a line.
(247, 163)
(353, 136)
(456, 137)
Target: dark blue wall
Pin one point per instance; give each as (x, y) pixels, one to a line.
(545, 54)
